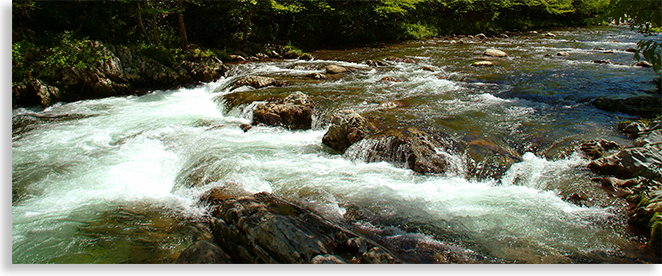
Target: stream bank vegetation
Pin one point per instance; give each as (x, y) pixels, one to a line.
(49, 35)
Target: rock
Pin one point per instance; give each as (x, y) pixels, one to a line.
(643, 106)
(245, 127)
(562, 54)
(293, 112)
(35, 92)
(375, 63)
(203, 252)
(261, 56)
(123, 71)
(549, 34)
(652, 138)
(631, 50)
(597, 148)
(335, 69)
(644, 64)
(627, 163)
(601, 61)
(427, 68)
(265, 228)
(316, 76)
(494, 53)
(237, 58)
(306, 56)
(256, 82)
(347, 127)
(252, 58)
(633, 129)
(410, 148)
(488, 159)
(481, 36)
(388, 79)
(483, 63)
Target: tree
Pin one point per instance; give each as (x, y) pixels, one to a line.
(646, 17)
(180, 24)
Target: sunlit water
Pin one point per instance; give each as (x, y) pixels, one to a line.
(110, 180)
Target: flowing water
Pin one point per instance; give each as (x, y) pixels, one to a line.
(116, 180)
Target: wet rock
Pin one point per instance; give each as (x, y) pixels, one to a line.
(562, 54)
(388, 79)
(410, 148)
(237, 58)
(261, 56)
(643, 106)
(627, 163)
(375, 63)
(549, 34)
(597, 148)
(601, 61)
(631, 50)
(335, 69)
(256, 82)
(481, 36)
(488, 159)
(123, 71)
(644, 64)
(245, 127)
(347, 127)
(483, 63)
(252, 58)
(35, 92)
(293, 112)
(494, 53)
(316, 76)
(633, 129)
(203, 252)
(265, 228)
(652, 138)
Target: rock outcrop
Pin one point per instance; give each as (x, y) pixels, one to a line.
(635, 174)
(122, 71)
(265, 228)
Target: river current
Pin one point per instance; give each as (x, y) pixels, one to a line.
(105, 181)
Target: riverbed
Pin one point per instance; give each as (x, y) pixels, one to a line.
(106, 180)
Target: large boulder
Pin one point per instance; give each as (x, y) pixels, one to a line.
(347, 127)
(265, 228)
(203, 252)
(293, 112)
(410, 148)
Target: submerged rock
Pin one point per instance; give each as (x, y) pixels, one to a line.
(265, 228)
(203, 252)
(644, 64)
(643, 106)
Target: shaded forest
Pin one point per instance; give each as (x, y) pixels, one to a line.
(50, 31)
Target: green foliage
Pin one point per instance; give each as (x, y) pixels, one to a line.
(646, 17)
(236, 26)
(62, 51)
(71, 52)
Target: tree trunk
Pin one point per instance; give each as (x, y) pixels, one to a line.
(140, 22)
(182, 29)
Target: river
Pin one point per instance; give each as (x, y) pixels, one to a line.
(105, 181)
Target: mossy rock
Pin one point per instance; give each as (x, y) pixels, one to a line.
(642, 106)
